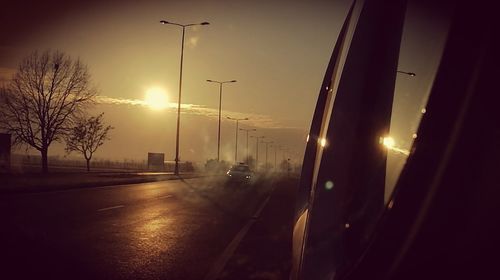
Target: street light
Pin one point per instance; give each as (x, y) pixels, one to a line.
(284, 151)
(407, 73)
(237, 124)
(257, 150)
(276, 147)
(176, 170)
(220, 105)
(267, 143)
(247, 131)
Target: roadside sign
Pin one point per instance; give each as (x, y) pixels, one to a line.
(156, 161)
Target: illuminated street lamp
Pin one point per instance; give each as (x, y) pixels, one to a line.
(237, 124)
(247, 131)
(220, 105)
(176, 170)
(257, 149)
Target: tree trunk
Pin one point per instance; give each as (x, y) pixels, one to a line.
(88, 165)
(45, 162)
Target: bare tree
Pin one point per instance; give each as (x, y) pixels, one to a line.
(86, 136)
(41, 101)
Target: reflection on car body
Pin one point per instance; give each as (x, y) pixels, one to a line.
(393, 184)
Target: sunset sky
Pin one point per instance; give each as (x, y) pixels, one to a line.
(276, 50)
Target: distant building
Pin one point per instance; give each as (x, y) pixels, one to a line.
(5, 150)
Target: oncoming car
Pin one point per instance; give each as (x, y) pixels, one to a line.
(239, 172)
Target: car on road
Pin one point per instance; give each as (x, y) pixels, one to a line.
(240, 172)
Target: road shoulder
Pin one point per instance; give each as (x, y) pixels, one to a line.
(265, 250)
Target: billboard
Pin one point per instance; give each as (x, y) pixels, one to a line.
(156, 161)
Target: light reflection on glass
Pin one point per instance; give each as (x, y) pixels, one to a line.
(391, 203)
(421, 48)
(322, 142)
(388, 142)
(329, 185)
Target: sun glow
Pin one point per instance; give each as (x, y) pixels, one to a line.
(156, 98)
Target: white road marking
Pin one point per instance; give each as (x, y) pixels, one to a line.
(110, 208)
(120, 206)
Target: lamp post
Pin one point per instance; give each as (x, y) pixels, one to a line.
(220, 106)
(284, 150)
(407, 73)
(257, 150)
(237, 124)
(176, 169)
(288, 167)
(276, 147)
(267, 143)
(247, 131)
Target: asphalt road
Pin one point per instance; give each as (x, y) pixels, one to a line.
(161, 230)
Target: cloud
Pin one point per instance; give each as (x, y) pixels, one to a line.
(255, 120)
(119, 101)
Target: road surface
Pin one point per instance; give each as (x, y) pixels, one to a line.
(161, 230)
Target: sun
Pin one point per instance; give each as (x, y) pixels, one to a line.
(156, 98)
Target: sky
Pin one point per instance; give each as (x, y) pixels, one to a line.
(276, 50)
